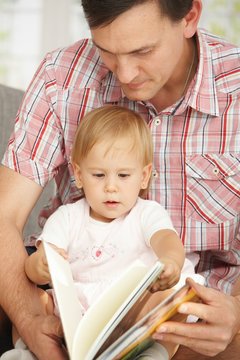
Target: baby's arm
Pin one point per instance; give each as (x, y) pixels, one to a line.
(169, 249)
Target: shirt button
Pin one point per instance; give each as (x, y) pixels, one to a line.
(157, 121)
(215, 171)
(155, 174)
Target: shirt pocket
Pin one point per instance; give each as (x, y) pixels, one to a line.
(213, 187)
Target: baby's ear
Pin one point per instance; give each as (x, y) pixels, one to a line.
(77, 175)
(147, 171)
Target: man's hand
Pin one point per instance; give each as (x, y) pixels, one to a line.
(43, 336)
(220, 315)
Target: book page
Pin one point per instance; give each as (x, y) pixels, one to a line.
(85, 335)
(138, 338)
(138, 310)
(104, 315)
(66, 295)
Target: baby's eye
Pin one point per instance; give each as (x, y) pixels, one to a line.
(98, 175)
(123, 175)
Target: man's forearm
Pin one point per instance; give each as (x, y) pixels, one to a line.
(17, 293)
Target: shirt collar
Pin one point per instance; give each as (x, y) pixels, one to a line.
(202, 93)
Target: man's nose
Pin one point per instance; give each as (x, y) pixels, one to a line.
(126, 70)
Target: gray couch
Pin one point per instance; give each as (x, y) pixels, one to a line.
(9, 103)
(10, 100)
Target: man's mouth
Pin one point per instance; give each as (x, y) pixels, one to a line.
(136, 85)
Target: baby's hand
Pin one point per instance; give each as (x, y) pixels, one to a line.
(60, 251)
(40, 264)
(169, 276)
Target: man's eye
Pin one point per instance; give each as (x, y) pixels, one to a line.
(144, 51)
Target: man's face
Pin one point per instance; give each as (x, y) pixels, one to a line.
(143, 49)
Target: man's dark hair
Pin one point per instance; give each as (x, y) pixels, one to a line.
(102, 12)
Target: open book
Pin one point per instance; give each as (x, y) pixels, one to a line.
(120, 323)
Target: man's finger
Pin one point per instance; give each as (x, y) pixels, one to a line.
(53, 325)
(207, 295)
(202, 346)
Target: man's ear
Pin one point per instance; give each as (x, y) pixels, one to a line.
(77, 175)
(192, 19)
(147, 171)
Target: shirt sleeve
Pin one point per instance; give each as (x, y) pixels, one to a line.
(154, 218)
(56, 229)
(35, 148)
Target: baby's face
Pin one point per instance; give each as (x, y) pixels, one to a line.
(112, 178)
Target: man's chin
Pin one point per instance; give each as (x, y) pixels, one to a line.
(143, 94)
(135, 95)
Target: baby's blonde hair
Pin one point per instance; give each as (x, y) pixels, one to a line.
(110, 123)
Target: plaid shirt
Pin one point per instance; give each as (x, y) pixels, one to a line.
(196, 174)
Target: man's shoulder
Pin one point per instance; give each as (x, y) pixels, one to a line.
(225, 58)
(83, 47)
(76, 65)
(217, 42)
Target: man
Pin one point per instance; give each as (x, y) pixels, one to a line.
(149, 56)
